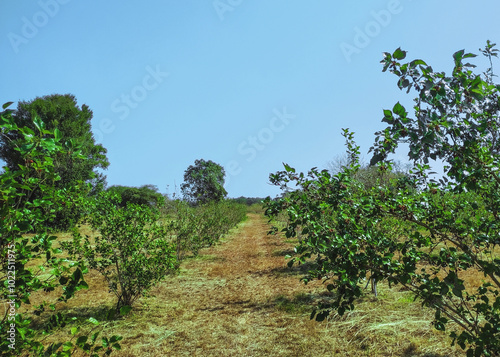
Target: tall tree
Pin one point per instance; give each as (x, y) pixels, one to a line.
(61, 112)
(204, 182)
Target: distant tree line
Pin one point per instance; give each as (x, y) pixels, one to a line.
(248, 200)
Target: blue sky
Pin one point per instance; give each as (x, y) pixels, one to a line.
(249, 84)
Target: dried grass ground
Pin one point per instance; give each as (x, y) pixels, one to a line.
(240, 299)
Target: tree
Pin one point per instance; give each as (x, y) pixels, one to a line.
(31, 263)
(428, 235)
(369, 175)
(456, 121)
(204, 182)
(73, 122)
(144, 195)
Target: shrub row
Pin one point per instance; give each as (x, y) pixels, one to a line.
(196, 227)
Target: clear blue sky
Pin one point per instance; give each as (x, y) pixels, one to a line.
(249, 84)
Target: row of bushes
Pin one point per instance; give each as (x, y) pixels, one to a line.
(130, 246)
(196, 227)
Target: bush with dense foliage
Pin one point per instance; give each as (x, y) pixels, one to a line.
(130, 247)
(32, 263)
(437, 238)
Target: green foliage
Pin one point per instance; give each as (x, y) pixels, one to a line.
(248, 200)
(434, 237)
(144, 195)
(130, 250)
(73, 126)
(204, 182)
(201, 226)
(370, 176)
(32, 263)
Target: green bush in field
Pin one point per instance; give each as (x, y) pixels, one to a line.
(32, 264)
(130, 249)
(427, 235)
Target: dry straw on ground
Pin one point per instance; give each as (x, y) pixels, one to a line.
(240, 299)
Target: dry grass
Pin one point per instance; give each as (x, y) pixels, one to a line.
(239, 299)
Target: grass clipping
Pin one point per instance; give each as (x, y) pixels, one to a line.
(239, 298)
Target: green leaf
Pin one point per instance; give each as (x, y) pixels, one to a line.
(322, 316)
(77, 274)
(39, 124)
(124, 310)
(22, 331)
(94, 321)
(94, 337)
(457, 290)
(81, 340)
(417, 62)
(458, 55)
(83, 285)
(115, 338)
(399, 54)
(288, 168)
(399, 110)
(341, 310)
(57, 134)
(469, 55)
(388, 118)
(67, 346)
(6, 105)
(48, 144)
(105, 342)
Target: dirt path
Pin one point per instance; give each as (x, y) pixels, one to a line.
(230, 301)
(240, 299)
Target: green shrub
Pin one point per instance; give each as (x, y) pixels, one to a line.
(130, 248)
(427, 235)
